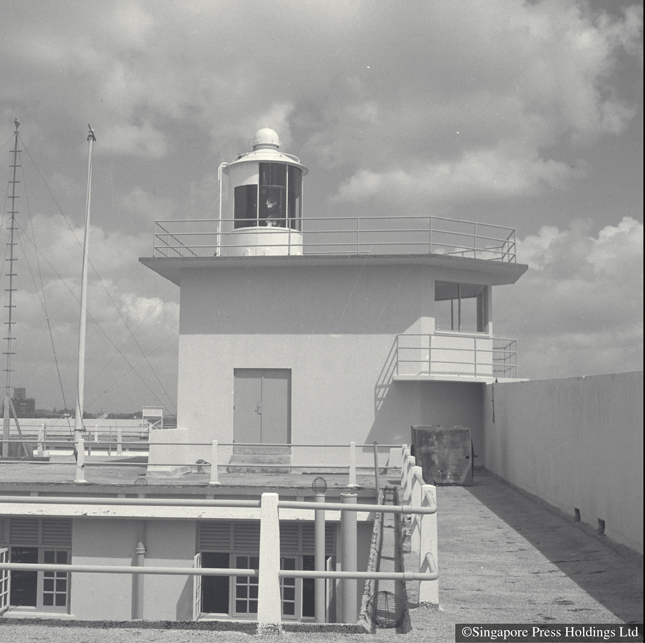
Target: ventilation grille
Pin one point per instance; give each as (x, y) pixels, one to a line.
(309, 539)
(246, 536)
(24, 531)
(295, 537)
(289, 537)
(215, 536)
(57, 532)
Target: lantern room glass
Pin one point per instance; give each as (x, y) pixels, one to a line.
(275, 202)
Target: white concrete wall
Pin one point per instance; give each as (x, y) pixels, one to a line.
(575, 443)
(169, 544)
(102, 542)
(335, 327)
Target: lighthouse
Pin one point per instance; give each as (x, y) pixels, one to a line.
(261, 201)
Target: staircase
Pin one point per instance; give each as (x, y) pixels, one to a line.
(256, 458)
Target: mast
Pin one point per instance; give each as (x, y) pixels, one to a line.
(7, 403)
(80, 385)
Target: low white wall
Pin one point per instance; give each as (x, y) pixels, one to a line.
(576, 443)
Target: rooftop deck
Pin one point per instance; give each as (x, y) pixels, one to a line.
(503, 558)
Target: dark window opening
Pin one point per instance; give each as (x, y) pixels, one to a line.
(295, 197)
(246, 206)
(215, 589)
(24, 584)
(308, 588)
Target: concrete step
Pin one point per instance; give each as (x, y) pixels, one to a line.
(255, 457)
(240, 449)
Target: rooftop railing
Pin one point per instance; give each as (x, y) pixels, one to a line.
(345, 461)
(344, 236)
(455, 355)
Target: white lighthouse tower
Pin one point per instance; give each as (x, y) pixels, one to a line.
(261, 208)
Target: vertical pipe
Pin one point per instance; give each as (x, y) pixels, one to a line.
(319, 540)
(214, 472)
(137, 579)
(349, 534)
(119, 441)
(352, 465)
(80, 381)
(377, 480)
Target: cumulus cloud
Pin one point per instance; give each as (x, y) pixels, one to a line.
(479, 174)
(578, 310)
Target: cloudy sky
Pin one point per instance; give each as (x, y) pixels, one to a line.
(526, 115)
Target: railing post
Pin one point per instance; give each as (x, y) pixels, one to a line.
(377, 480)
(352, 465)
(119, 441)
(404, 461)
(269, 596)
(429, 589)
(80, 461)
(409, 479)
(319, 560)
(214, 472)
(41, 440)
(415, 502)
(349, 560)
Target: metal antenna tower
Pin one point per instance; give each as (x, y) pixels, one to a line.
(7, 404)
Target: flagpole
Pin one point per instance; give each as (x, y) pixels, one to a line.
(78, 417)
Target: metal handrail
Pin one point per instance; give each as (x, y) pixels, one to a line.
(486, 246)
(215, 571)
(502, 359)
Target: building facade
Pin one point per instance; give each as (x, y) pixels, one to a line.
(302, 331)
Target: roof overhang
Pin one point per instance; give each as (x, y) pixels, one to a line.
(497, 272)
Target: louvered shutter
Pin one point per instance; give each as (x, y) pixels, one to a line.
(24, 531)
(309, 538)
(246, 536)
(215, 536)
(289, 538)
(57, 532)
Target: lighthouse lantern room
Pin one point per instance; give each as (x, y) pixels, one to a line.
(261, 207)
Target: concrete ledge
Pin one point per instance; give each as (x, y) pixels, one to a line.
(245, 627)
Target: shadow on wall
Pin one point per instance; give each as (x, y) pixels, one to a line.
(184, 609)
(613, 579)
(400, 404)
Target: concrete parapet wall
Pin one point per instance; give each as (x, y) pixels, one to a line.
(576, 444)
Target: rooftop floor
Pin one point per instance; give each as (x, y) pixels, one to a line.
(503, 558)
(128, 474)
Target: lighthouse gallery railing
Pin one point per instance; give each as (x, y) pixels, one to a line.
(351, 236)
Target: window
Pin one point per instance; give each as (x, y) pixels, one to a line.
(275, 202)
(40, 541)
(246, 587)
(461, 307)
(239, 543)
